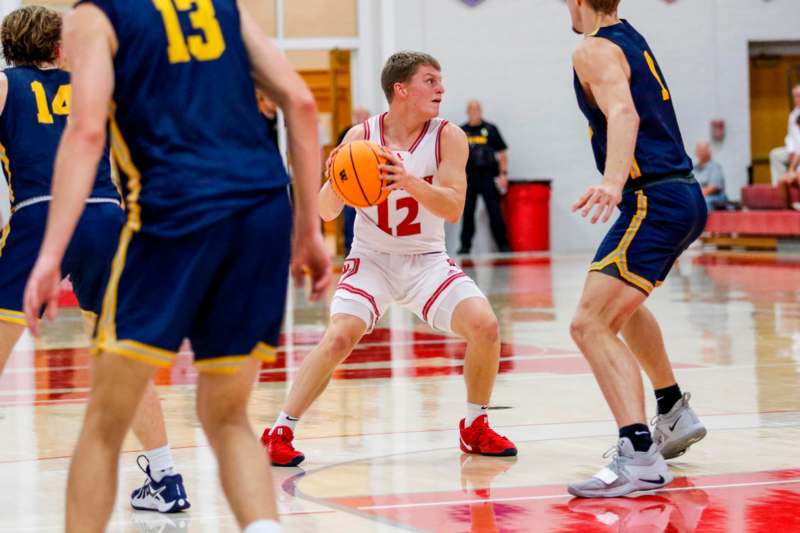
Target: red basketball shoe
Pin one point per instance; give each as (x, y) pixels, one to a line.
(481, 439)
(279, 447)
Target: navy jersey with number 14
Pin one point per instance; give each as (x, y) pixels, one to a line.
(31, 123)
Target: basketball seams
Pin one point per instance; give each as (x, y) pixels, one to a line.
(378, 162)
(353, 154)
(336, 188)
(355, 173)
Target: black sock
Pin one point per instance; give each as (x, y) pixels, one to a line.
(667, 398)
(639, 435)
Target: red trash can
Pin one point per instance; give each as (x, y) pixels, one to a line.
(528, 215)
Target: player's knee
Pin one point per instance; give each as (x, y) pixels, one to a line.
(107, 422)
(215, 412)
(583, 326)
(340, 343)
(342, 336)
(219, 415)
(483, 329)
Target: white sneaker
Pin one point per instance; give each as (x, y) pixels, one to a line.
(628, 472)
(675, 431)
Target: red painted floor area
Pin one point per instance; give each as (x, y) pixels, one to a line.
(752, 502)
(60, 375)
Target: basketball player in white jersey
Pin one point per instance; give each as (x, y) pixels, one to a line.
(399, 256)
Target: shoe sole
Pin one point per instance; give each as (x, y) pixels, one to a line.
(620, 491)
(174, 508)
(294, 462)
(512, 452)
(508, 452)
(680, 445)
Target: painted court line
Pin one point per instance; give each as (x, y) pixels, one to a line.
(562, 496)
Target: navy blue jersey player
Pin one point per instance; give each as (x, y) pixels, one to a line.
(36, 96)
(205, 251)
(646, 174)
(35, 100)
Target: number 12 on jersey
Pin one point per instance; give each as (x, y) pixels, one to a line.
(409, 225)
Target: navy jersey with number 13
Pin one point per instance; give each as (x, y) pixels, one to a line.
(191, 156)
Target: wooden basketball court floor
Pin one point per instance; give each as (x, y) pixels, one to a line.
(381, 444)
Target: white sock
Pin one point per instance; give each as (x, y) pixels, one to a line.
(161, 463)
(475, 410)
(285, 420)
(263, 526)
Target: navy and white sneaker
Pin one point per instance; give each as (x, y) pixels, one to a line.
(165, 496)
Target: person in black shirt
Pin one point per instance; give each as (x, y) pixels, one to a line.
(487, 176)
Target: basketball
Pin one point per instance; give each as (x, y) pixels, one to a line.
(355, 175)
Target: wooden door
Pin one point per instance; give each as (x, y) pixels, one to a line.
(771, 80)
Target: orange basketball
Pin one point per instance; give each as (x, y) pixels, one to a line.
(355, 176)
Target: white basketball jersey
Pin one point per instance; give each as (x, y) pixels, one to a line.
(400, 225)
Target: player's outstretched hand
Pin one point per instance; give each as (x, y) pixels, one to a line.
(42, 289)
(604, 196)
(310, 256)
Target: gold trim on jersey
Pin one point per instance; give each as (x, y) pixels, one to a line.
(140, 352)
(230, 364)
(7, 166)
(619, 257)
(122, 157)
(12, 317)
(106, 339)
(4, 237)
(635, 171)
(264, 352)
(106, 327)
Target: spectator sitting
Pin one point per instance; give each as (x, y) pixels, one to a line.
(784, 160)
(709, 174)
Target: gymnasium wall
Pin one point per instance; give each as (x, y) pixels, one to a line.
(514, 55)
